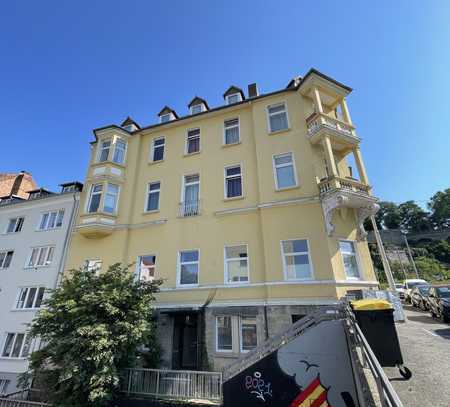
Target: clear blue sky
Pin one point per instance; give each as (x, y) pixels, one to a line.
(67, 67)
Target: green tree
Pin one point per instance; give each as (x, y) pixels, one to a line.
(431, 269)
(439, 205)
(413, 217)
(91, 328)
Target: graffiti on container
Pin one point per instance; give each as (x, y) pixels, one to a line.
(257, 385)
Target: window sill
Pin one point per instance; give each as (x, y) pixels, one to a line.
(155, 162)
(243, 283)
(273, 133)
(13, 358)
(48, 230)
(234, 198)
(190, 154)
(100, 163)
(151, 212)
(27, 268)
(287, 188)
(298, 280)
(231, 144)
(186, 286)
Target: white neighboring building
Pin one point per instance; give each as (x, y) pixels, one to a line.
(34, 237)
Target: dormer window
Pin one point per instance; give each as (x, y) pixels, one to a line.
(167, 115)
(166, 118)
(234, 98)
(196, 109)
(198, 105)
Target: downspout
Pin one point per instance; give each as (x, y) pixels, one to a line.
(67, 239)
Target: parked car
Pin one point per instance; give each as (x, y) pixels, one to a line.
(419, 296)
(439, 301)
(408, 285)
(399, 287)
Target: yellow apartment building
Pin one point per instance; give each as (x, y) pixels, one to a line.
(248, 211)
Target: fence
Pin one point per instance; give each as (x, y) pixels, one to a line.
(20, 403)
(176, 384)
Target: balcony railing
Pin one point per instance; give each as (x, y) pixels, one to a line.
(189, 208)
(317, 120)
(173, 384)
(347, 184)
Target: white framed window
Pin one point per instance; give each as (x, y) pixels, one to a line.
(248, 334)
(277, 117)
(146, 266)
(15, 225)
(95, 198)
(234, 98)
(190, 199)
(16, 345)
(4, 384)
(236, 264)
(153, 192)
(224, 334)
(231, 132)
(51, 220)
(103, 150)
(120, 148)
(233, 182)
(350, 259)
(197, 108)
(158, 147)
(164, 118)
(5, 259)
(111, 198)
(284, 170)
(193, 141)
(41, 256)
(296, 259)
(29, 298)
(188, 267)
(93, 265)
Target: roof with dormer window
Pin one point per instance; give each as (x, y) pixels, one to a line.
(167, 110)
(232, 90)
(198, 101)
(129, 121)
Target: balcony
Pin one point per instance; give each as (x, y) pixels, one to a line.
(341, 193)
(189, 209)
(342, 135)
(96, 225)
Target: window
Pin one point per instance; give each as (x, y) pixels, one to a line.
(234, 98)
(30, 297)
(296, 259)
(103, 152)
(233, 182)
(224, 334)
(68, 188)
(164, 118)
(119, 151)
(154, 189)
(17, 345)
(4, 383)
(5, 259)
(146, 267)
(231, 131)
(158, 149)
(197, 109)
(51, 220)
(188, 267)
(236, 264)
(95, 198)
(190, 205)
(112, 193)
(93, 265)
(15, 225)
(41, 256)
(348, 253)
(248, 334)
(193, 141)
(285, 176)
(278, 119)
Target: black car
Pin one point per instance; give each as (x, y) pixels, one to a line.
(439, 301)
(419, 296)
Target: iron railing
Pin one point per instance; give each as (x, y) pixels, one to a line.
(388, 395)
(20, 403)
(189, 208)
(173, 384)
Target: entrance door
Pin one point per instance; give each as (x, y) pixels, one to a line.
(184, 354)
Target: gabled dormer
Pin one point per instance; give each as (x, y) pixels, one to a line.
(233, 95)
(167, 114)
(198, 105)
(73, 186)
(39, 193)
(130, 125)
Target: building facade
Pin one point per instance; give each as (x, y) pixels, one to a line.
(248, 211)
(34, 235)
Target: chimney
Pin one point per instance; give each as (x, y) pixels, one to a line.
(252, 90)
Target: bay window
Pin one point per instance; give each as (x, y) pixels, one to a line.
(95, 198)
(111, 196)
(120, 147)
(103, 151)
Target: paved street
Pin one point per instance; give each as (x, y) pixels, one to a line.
(426, 352)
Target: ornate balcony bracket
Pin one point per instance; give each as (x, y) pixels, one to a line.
(364, 206)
